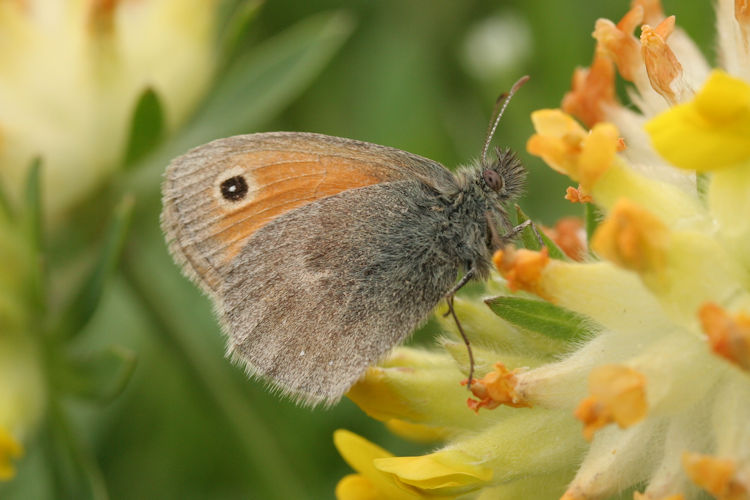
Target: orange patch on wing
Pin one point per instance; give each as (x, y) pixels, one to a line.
(281, 181)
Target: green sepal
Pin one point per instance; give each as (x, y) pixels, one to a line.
(702, 184)
(146, 126)
(86, 300)
(543, 317)
(530, 241)
(591, 216)
(100, 376)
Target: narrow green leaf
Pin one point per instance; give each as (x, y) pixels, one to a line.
(236, 28)
(542, 317)
(531, 242)
(278, 69)
(86, 300)
(33, 231)
(592, 216)
(146, 127)
(33, 208)
(74, 471)
(101, 376)
(6, 210)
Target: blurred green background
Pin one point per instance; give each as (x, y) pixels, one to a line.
(419, 75)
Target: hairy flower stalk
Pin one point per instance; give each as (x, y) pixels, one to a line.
(627, 370)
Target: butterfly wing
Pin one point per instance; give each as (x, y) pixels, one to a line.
(280, 171)
(313, 259)
(325, 290)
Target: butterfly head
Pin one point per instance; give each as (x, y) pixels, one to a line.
(504, 177)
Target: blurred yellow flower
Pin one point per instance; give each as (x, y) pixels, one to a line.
(643, 347)
(10, 449)
(72, 71)
(22, 396)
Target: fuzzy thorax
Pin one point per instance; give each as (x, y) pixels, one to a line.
(483, 189)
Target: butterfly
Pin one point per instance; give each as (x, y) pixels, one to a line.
(321, 253)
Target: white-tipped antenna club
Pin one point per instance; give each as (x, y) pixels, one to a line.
(504, 99)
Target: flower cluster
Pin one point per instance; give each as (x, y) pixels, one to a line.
(626, 371)
(72, 72)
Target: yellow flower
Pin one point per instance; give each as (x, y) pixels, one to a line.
(71, 73)
(22, 396)
(710, 132)
(10, 449)
(643, 347)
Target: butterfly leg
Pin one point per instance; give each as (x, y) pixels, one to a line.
(452, 292)
(449, 300)
(510, 235)
(498, 242)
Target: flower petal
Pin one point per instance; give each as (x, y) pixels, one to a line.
(593, 90)
(715, 475)
(728, 335)
(357, 487)
(711, 131)
(417, 432)
(360, 453)
(445, 472)
(683, 268)
(618, 394)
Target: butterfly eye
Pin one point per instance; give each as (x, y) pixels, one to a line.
(493, 179)
(234, 188)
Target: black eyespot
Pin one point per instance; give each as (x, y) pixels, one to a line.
(493, 180)
(234, 188)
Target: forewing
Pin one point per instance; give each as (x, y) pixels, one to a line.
(283, 171)
(327, 289)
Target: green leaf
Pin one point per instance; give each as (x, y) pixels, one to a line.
(74, 471)
(252, 88)
(86, 300)
(531, 242)
(236, 28)
(146, 126)
(255, 88)
(33, 231)
(33, 209)
(6, 210)
(542, 317)
(592, 216)
(101, 376)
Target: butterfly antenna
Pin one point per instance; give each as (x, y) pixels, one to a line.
(503, 100)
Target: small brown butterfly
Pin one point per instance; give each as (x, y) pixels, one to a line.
(322, 253)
